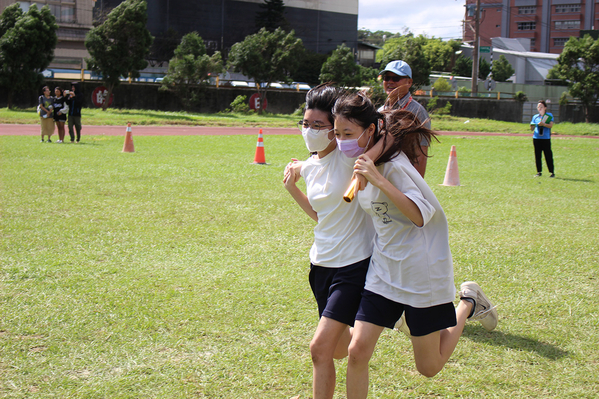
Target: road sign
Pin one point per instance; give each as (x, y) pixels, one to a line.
(485, 49)
(99, 96)
(255, 102)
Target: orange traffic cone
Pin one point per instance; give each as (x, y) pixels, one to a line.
(259, 157)
(452, 176)
(128, 146)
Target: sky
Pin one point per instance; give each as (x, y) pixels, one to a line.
(438, 18)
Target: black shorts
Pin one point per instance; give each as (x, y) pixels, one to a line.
(384, 312)
(338, 291)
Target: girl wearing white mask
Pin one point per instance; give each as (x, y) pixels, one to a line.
(340, 255)
(411, 268)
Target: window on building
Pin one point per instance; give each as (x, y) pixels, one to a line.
(63, 11)
(533, 41)
(567, 24)
(560, 41)
(567, 8)
(527, 10)
(527, 25)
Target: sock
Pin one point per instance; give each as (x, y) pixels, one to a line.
(473, 305)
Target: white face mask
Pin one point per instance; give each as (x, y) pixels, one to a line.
(316, 140)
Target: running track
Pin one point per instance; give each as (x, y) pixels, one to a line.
(88, 130)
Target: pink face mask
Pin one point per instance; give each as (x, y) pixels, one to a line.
(350, 148)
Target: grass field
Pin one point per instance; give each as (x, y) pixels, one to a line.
(180, 271)
(120, 117)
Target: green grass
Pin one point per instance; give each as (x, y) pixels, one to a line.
(120, 117)
(180, 271)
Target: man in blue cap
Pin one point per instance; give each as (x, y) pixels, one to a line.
(397, 80)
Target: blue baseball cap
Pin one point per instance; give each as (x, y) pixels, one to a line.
(400, 68)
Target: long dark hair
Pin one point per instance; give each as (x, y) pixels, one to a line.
(322, 98)
(400, 126)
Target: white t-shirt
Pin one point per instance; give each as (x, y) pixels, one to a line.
(410, 265)
(344, 231)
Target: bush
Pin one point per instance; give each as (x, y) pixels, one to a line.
(442, 85)
(520, 96)
(446, 110)
(240, 105)
(564, 98)
(432, 104)
(464, 89)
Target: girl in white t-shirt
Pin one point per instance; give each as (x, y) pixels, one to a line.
(340, 255)
(411, 268)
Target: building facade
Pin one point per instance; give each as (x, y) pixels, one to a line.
(321, 24)
(74, 19)
(546, 24)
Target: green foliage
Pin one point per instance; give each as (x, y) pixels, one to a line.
(190, 66)
(464, 89)
(27, 42)
(266, 57)
(341, 68)
(118, 48)
(484, 68)
(564, 98)
(272, 16)
(442, 84)
(440, 53)
(446, 110)
(409, 49)
(520, 96)
(240, 104)
(377, 38)
(432, 104)
(579, 65)
(462, 66)
(502, 69)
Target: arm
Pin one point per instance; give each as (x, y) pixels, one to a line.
(547, 125)
(291, 176)
(365, 167)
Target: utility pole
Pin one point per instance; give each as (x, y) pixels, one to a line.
(476, 49)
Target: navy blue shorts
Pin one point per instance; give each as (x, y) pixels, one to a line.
(377, 309)
(338, 291)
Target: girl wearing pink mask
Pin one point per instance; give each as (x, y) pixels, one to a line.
(411, 270)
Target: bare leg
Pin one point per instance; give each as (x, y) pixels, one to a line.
(432, 351)
(364, 339)
(327, 343)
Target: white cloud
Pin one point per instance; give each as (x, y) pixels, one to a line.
(438, 18)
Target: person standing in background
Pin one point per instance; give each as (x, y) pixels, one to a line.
(397, 81)
(45, 112)
(75, 103)
(60, 112)
(541, 124)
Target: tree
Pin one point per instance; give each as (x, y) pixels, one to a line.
(462, 67)
(190, 66)
(341, 68)
(579, 65)
(409, 49)
(440, 54)
(309, 69)
(502, 69)
(27, 42)
(272, 17)
(484, 68)
(266, 57)
(118, 48)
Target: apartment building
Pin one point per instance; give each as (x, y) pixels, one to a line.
(74, 19)
(546, 24)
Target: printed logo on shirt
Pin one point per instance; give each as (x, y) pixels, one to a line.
(381, 208)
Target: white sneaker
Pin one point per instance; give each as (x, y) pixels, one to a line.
(483, 311)
(402, 326)
(59, 141)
